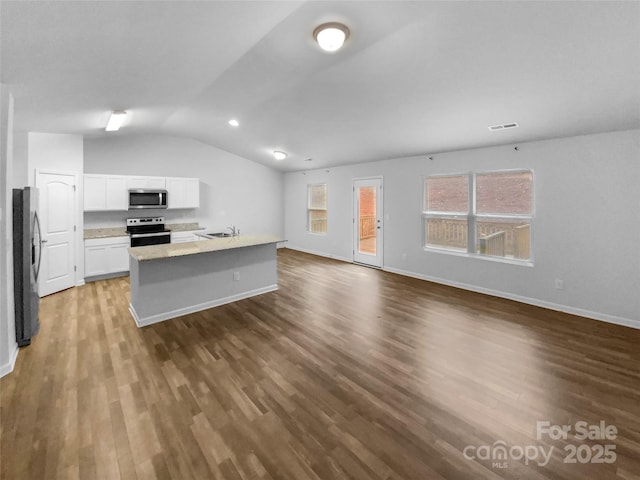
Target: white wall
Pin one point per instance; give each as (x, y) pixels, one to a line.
(8, 345)
(233, 190)
(586, 226)
(60, 153)
(20, 159)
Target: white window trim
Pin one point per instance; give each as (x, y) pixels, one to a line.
(473, 217)
(477, 256)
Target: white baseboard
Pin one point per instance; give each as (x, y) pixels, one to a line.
(320, 254)
(8, 367)
(161, 317)
(603, 317)
(105, 276)
(627, 322)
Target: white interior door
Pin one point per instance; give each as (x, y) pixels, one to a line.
(57, 211)
(367, 221)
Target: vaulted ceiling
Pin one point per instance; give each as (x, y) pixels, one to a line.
(414, 77)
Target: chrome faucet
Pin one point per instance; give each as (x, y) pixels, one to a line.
(234, 231)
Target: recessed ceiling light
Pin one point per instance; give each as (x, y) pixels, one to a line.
(279, 155)
(503, 126)
(331, 36)
(233, 122)
(115, 120)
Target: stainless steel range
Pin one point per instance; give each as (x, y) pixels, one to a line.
(147, 231)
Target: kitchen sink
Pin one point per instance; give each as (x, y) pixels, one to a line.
(214, 235)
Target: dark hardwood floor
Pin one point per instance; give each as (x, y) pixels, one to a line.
(345, 372)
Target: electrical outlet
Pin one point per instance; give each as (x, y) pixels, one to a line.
(236, 276)
(559, 284)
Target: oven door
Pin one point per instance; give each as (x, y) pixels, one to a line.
(143, 239)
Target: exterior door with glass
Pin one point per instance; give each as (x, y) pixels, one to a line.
(367, 221)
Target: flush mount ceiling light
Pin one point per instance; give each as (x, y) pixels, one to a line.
(233, 122)
(115, 121)
(279, 155)
(503, 126)
(331, 36)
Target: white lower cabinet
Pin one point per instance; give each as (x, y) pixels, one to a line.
(104, 256)
(118, 257)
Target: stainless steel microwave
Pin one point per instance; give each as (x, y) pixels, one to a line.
(144, 198)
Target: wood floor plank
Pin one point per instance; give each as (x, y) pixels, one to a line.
(345, 372)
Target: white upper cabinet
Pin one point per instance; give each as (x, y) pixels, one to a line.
(117, 197)
(111, 192)
(134, 182)
(105, 192)
(183, 192)
(95, 192)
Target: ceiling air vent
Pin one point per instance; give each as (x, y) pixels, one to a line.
(503, 126)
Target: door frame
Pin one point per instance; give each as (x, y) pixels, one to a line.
(77, 240)
(379, 257)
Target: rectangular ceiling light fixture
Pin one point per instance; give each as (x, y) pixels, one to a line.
(503, 126)
(115, 121)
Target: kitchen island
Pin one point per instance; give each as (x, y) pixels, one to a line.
(172, 280)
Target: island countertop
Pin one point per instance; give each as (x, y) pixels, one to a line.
(169, 250)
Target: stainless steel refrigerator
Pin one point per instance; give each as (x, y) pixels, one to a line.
(27, 247)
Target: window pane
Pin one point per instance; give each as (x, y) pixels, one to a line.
(318, 221)
(318, 196)
(504, 238)
(448, 232)
(367, 220)
(509, 192)
(447, 194)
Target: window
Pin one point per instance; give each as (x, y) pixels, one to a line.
(447, 211)
(480, 213)
(504, 209)
(317, 208)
